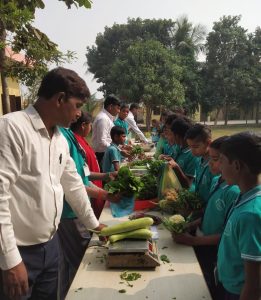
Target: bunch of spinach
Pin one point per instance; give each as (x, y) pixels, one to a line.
(149, 187)
(126, 183)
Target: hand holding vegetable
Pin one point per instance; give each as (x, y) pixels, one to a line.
(184, 238)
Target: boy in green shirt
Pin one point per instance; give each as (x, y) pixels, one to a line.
(198, 138)
(121, 122)
(239, 253)
(185, 162)
(112, 156)
(211, 225)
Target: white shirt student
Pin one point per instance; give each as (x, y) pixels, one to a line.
(132, 123)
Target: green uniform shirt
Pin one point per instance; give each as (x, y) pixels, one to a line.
(160, 146)
(221, 198)
(241, 240)
(122, 123)
(77, 154)
(112, 154)
(203, 179)
(171, 150)
(187, 161)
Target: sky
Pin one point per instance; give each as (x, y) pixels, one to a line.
(76, 28)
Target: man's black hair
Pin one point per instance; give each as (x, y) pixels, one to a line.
(111, 100)
(217, 143)
(199, 133)
(84, 118)
(245, 147)
(134, 106)
(180, 127)
(124, 105)
(66, 81)
(117, 130)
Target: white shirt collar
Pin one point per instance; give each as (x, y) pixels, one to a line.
(108, 114)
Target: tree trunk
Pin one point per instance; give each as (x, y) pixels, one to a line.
(216, 116)
(257, 112)
(148, 117)
(5, 93)
(226, 112)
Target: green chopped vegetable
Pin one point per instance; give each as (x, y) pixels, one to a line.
(122, 291)
(164, 258)
(130, 276)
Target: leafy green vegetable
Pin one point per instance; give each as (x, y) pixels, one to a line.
(175, 224)
(122, 291)
(126, 183)
(164, 258)
(149, 188)
(130, 276)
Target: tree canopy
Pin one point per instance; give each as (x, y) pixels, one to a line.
(18, 33)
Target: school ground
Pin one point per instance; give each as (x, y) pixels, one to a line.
(218, 131)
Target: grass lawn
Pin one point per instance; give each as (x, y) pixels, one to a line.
(218, 131)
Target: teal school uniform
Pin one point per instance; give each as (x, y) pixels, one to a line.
(221, 198)
(187, 161)
(203, 179)
(112, 154)
(241, 240)
(171, 150)
(78, 155)
(160, 147)
(124, 125)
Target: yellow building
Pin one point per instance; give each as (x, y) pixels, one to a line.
(14, 94)
(13, 85)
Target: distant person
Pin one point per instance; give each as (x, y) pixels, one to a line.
(112, 157)
(102, 125)
(132, 123)
(155, 131)
(121, 120)
(36, 172)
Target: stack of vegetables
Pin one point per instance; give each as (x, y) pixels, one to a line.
(137, 152)
(149, 181)
(182, 201)
(134, 229)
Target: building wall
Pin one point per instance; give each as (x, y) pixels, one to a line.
(14, 92)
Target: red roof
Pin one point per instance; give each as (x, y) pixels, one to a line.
(14, 56)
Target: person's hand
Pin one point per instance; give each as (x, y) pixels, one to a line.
(126, 147)
(15, 282)
(113, 175)
(114, 198)
(184, 238)
(99, 228)
(125, 153)
(172, 163)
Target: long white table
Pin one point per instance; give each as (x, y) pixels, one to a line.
(180, 279)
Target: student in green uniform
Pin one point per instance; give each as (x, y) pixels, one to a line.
(198, 138)
(239, 253)
(185, 162)
(73, 236)
(210, 227)
(170, 148)
(120, 121)
(112, 156)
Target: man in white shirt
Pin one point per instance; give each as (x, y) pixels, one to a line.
(132, 123)
(36, 171)
(102, 125)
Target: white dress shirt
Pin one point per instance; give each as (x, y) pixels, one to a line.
(101, 131)
(35, 172)
(133, 125)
